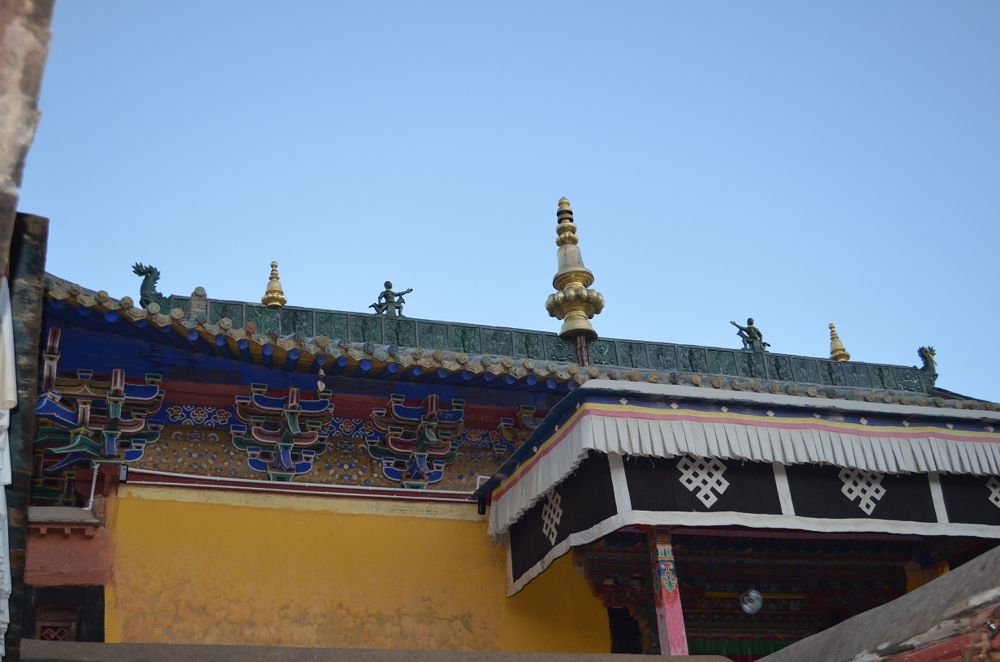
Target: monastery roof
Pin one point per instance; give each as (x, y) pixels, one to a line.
(307, 340)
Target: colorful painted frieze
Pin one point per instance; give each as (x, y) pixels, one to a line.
(419, 440)
(515, 431)
(87, 419)
(282, 436)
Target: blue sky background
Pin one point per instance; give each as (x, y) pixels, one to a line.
(800, 163)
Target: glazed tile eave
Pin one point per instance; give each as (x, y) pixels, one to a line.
(305, 339)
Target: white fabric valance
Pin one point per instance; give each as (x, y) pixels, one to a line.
(660, 432)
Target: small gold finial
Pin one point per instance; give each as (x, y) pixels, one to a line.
(574, 302)
(837, 350)
(274, 297)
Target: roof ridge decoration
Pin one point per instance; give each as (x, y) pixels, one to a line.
(837, 350)
(574, 302)
(274, 296)
(147, 289)
(305, 340)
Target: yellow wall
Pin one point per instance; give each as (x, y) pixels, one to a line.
(197, 566)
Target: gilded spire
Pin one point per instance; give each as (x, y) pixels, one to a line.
(837, 350)
(274, 297)
(574, 302)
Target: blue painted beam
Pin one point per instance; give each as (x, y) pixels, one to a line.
(337, 366)
(222, 344)
(292, 359)
(462, 377)
(389, 371)
(318, 363)
(551, 384)
(199, 343)
(171, 336)
(364, 367)
(414, 372)
(528, 382)
(80, 316)
(111, 316)
(267, 354)
(509, 380)
(243, 347)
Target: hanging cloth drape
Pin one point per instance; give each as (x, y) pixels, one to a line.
(8, 400)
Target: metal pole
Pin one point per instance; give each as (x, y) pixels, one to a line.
(93, 484)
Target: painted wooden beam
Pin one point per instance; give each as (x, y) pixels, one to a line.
(337, 366)
(528, 382)
(199, 343)
(462, 377)
(225, 349)
(666, 593)
(292, 358)
(243, 347)
(267, 354)
(318, 362)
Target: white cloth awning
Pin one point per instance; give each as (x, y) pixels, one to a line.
(818, 431)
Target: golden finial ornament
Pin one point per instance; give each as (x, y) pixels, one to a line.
(274, 297)
(837, 350)
(574, 302)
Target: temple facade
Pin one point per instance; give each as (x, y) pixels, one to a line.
(223, 472)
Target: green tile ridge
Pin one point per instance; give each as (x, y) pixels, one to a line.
(548, 346)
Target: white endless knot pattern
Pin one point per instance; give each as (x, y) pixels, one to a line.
(704, 477)
(865, 486)
(551, 516)
(993, 485)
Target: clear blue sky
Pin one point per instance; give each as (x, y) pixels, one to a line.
(798, 162)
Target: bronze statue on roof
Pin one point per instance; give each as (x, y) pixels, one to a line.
(751, 336)
(147, 290)
(929, 367)
(390, 303)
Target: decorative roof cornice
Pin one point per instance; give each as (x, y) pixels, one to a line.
(523, 359)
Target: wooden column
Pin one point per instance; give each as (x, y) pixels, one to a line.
(666, 594)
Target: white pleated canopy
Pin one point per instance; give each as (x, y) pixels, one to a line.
(639, 435)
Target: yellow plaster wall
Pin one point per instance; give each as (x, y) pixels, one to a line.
(201, 566)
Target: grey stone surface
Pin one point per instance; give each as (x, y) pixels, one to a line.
(933, 612)
(61, 515)
(57, 651)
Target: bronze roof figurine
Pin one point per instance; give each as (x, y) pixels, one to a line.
(751, 336)
(390, 303)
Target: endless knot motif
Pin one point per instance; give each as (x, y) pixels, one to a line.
(993, 485)
(704, 477)
(866, 486)
(551, 516)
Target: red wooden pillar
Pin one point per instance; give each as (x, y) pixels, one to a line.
(666, 594)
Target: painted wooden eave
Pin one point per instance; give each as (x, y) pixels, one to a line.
(309, 355)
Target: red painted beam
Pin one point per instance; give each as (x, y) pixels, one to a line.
(666, 594)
